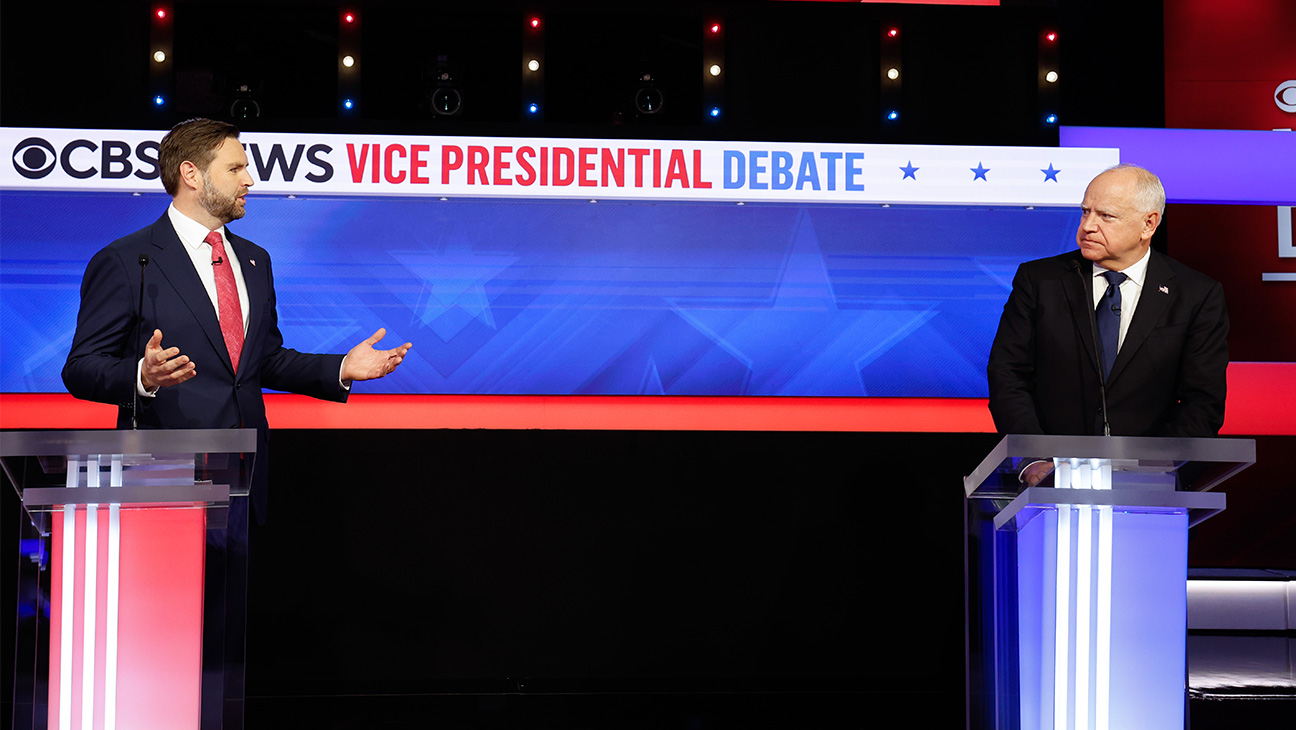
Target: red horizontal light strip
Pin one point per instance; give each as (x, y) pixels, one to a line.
(1260, 403)
(646, 413)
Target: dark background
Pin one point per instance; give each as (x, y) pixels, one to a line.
(593, 579)
(794, 71)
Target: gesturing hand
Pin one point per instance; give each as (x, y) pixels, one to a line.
(366, 363)
(164, 368)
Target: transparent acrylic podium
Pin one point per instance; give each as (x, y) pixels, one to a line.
(133, 564)
(1077, 588)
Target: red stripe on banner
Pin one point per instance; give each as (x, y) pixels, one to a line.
(1259, 394)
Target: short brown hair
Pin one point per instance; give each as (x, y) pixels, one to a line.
(195, 140)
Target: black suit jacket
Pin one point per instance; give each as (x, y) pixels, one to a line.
(1168, 378)
(101, 365)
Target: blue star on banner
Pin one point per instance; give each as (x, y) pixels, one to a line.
(979, 172)
(909, 170)
(1050, 173)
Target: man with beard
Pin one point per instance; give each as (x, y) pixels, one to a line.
(211, 295)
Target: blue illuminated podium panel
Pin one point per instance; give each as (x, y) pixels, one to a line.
(1082, 582)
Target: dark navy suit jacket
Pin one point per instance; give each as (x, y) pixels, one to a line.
(1169, 375)
(101, 365)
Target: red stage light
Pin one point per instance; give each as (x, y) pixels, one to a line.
(893, 32)
(349, 17)
(535, 22)
(1051, 37)
(715, 27)
(161, 13)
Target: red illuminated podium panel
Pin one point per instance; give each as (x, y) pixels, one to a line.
(132, 577)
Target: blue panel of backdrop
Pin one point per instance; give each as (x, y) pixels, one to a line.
(574, 297)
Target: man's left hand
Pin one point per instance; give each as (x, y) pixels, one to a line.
(366, 363)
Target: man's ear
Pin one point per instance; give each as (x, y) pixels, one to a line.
(1151, 220)
(190, 175)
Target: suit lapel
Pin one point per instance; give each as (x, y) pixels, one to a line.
(1155, 298)
(174, 263)
(1079, 293)
(254, 278)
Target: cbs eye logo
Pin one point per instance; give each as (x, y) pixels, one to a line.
(1285, 96)
(34, 158)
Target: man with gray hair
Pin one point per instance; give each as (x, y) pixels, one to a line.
(1148, 360)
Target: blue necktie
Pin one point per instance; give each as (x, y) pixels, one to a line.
(1109, 314)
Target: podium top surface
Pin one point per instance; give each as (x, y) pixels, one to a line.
(114, 441)
(1195, 464)
(176, 459)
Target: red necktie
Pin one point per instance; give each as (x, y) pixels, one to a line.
(227, 299)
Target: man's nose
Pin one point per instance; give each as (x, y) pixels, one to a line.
(1089, 222)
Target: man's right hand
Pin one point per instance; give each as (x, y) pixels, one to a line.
(164, 368)
(1036, 472)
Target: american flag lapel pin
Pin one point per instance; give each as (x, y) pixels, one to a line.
(1164, 289)
(253, 262)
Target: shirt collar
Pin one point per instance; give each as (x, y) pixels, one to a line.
(1136, 271)
(192, 233)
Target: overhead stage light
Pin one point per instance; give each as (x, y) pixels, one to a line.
(159, 56)
(648, 99)
(1051, 77)
(244, 106)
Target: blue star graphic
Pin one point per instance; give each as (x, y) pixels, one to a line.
(453, 276)
(909, 170)
(980, 172)
(799, 339)
(1050, 173)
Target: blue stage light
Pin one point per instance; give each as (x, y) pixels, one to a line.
(158, 100)
(1051, 119)
(893, 115)
(348, 104)
(715, 111)
(533, 108)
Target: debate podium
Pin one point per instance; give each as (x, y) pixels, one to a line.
(1077, 587)
(132, 577)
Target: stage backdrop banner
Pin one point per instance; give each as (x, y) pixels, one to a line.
(540, 167)
(821, 283)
